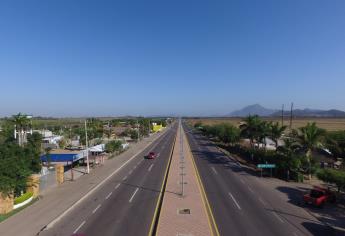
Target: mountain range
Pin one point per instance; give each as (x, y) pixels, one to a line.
(259, 110)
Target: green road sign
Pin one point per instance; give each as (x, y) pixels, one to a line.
(263, 166)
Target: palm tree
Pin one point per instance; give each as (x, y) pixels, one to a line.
(276, 132)
(264, 131)
(288, 152)
(310, 138)
(21, 121)
(231, 134)
(251, 128)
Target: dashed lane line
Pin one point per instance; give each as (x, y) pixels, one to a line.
(236, 203)
(94, 211)
(135, 192)
(278, 217)
(214, 170)
(106, 198)
(79, 227)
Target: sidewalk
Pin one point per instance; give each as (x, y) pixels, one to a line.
(52, 203)
(332, 215)
(187, 214)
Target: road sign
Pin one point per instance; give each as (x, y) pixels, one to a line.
(263, 166)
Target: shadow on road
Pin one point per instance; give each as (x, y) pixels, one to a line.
(295, 195)
(319, 229)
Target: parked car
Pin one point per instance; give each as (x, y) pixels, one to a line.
(151, 155)
(319, 196)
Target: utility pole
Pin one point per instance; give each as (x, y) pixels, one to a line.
(291, 116)
(87, 150)
(138, 133)
(282, 114)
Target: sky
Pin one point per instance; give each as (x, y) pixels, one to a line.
(178, 57)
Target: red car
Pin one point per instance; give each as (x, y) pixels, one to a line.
(151, 155)
(319, 196)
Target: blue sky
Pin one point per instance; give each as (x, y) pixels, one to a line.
(183, 57)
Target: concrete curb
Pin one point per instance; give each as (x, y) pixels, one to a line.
(52, 223)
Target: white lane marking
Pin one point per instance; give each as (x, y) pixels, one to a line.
(242, 181)
(93, 212)
(150, 167)
(214, 170)
(278, 217)
(135, 167)
(250, 189)
(124, 178)
(135, 192)
(155, 139)
(79, 227)
(130, 172)
(238, 206)
(262, 201)
(118, 185)
(108, 195)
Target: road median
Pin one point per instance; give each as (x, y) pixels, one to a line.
(185, 209)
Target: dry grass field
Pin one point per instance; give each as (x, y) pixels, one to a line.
(330, 124)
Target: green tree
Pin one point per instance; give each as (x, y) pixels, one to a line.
(290, 160)
(144, 127)
(251, 128)
(14, 168)
(310, 137)
(229, 134)
(335, 142)
(32, 151)
(197, 125)
(275, 132)
(21, 121)
(332, 176)
(112, 146)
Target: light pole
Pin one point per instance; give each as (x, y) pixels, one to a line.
(87, 149)
(181, 159)
(138, 134)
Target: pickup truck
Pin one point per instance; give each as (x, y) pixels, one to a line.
(318, 197)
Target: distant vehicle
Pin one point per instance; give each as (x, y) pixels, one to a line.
(319, 196)
(151, 155)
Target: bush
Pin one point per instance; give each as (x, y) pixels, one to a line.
(22, 198)
(332, 176)
(113, 146)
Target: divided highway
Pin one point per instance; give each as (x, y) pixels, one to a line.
(126, 203)
(240, 203)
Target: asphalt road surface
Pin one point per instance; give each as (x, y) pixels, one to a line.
(240, 204)
(125, 204)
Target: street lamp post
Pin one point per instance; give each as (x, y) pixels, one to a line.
(87, 149)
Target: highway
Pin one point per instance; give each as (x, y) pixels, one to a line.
(240, 203)
(126, 203)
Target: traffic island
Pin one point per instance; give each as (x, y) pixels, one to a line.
(185, 210)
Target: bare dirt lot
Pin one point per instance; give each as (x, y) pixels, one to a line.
(330, 124)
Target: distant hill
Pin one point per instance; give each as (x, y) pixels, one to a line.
(259, 110)
(255, 109)
(312, 113)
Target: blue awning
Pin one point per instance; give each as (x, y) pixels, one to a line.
(63, 157)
